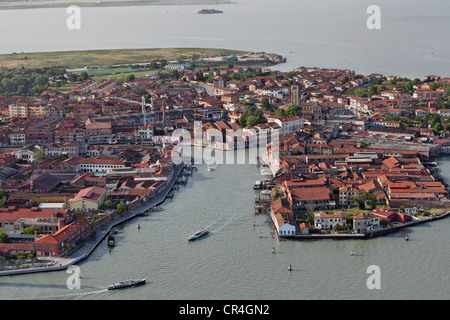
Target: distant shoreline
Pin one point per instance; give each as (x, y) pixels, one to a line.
(12, 5)
(110, 57)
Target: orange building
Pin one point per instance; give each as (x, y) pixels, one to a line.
(52, 245)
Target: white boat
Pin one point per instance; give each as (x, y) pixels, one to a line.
(198, 235)
(127, 284)
(258, 184)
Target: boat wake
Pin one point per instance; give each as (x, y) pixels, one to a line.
(75, 294)
(223, 225)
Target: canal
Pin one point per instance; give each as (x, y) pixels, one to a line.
(235, 262)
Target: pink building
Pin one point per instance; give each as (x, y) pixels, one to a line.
(392, 216)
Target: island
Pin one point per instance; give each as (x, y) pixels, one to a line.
(86, 146)
(209, 11)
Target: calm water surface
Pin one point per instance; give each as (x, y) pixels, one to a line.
(328, 33)
(234, 262)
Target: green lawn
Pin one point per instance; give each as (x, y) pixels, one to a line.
(88, 58)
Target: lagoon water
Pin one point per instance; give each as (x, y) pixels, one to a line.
(411, 41)
(235, 262)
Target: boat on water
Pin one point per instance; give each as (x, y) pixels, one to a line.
(198, 235)
(126, 284)
(111, 240)
(258, 185)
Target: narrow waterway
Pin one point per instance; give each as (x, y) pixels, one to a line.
(234, 262)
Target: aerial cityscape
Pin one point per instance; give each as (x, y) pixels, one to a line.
(120, 166)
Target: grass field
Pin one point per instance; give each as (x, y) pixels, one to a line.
(81, 59)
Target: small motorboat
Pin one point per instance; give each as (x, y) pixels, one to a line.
(406, 238)
(127, 284)
(198, 235)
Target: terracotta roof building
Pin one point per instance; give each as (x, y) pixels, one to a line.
(53, 245)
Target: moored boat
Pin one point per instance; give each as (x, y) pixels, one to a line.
(126, 284)
(111, 240)
(198, 235)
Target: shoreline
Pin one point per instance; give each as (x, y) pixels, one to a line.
(363, 236)
(87, 249)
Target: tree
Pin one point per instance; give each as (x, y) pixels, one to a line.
(3, 237)
(276, 193)
(310, 213)
(121, 207)
(73, 77)
(110, 204)
(373, 201)
(31, 230)
(38, 155)
(447, 91)
(437, 128)
(360, 201)
(130, 77)
(294, 110)
(251, 116)
(280, 112)
(265, 105)
(84, 75)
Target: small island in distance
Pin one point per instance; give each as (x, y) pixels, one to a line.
(209, 11)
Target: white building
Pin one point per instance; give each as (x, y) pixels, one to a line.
(287, 124)
(25, 154)
(17, 139)
(52, 150)
(98, 165)
(283, 227)
(146, 133)
(323, 220)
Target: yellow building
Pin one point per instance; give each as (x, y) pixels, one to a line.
(24, 111)
(91, 198)
(41, 197)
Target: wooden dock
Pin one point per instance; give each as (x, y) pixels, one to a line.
(263, 204)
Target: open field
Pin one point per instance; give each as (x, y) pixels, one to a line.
(81, 59)
(21, 4)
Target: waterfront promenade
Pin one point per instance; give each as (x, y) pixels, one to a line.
(61, 263)
(367, 235)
